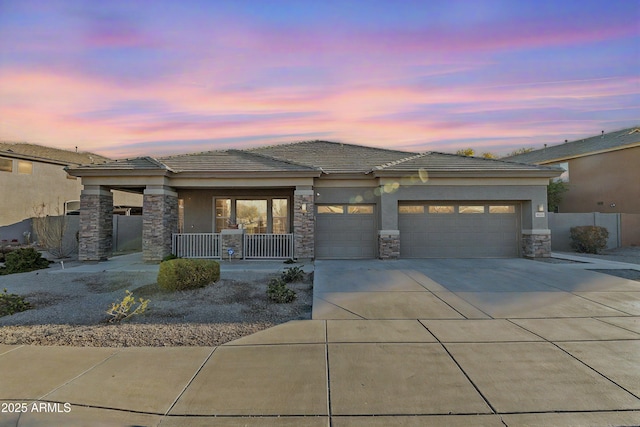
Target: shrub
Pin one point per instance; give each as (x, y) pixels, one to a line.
(12, 303)
(277, 291)
(589, 239)
(23, 260)
(123, 310)
(181, 274)
(292, 274)
(169, 257)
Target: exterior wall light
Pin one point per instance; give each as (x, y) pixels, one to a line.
(540, 208)
(303, 208)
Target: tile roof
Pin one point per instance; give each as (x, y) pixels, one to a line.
(444, 162)
(231, 161)
(138, 163)
(55, 155)
(316, 157)
(606, 142)
(333, 157)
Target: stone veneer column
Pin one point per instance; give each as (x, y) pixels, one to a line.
(536, 243)
(96, 224)
(232, 239)
(159, 222)
(304, 223)
(388, 244)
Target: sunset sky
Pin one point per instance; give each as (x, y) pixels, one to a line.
(137, 77)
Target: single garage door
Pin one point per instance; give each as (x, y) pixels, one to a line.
(459, 230)
(345, 231)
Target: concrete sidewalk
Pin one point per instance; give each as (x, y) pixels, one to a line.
(428, 342)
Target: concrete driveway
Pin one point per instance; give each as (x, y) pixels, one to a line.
(535, 343)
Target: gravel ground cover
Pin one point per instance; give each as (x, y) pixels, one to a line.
(69, 309)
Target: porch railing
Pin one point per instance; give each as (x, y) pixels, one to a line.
(268, 246)
(197, 245)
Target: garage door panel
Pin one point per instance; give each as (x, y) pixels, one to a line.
(346, 235)
(459, 235)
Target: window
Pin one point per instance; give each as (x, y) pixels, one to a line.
(471, 209)
(6, 165)
(507, 209)
(25, 168)
(223, 214)
(279, 212)
(330, 209)
(411, 209)
(251, 215)
(360, 209)
(440, 209)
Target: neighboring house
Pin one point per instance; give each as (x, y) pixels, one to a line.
(322, 199)
(602, 172)
(33, 182)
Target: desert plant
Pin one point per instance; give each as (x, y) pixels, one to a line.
(23, 260)
(12, 303)
(277, 291)
(51, 232)
(292, 274)
(124, 309)
(181, 274)
(588, 238)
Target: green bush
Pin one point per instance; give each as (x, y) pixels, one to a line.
(23, 260)
(181, 274)
(277, 291)
(589, 239)
(12, 303)
(292, 274)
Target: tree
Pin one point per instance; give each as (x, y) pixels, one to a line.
(555, 193)
(52, 232)
(465, 152)
(522, 150)
(489, 155)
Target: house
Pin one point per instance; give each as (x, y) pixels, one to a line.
(33, 182)
(602, 171)
(319, 199)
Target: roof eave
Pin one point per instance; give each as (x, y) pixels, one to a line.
(471, 174)
(96, 171)
(247, 174)
(591, 153)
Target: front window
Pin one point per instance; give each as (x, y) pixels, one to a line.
(251, 215)
(223, 214)
(279, 213)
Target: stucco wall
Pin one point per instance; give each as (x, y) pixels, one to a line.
(561, 223)
(610, 178)
(47, 184)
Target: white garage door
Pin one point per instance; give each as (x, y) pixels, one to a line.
(345, 231)
(459, 230)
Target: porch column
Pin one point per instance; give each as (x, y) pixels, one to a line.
(96, 224)
(304, 222)
(159, 222)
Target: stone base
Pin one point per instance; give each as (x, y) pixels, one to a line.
(388, 244)
(232, 239)
(159, 222)
(536, 245)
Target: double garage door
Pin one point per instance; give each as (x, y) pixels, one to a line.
(345, 231)
(459, 230)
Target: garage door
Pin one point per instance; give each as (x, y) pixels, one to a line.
(459, 230)
(345, 231)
